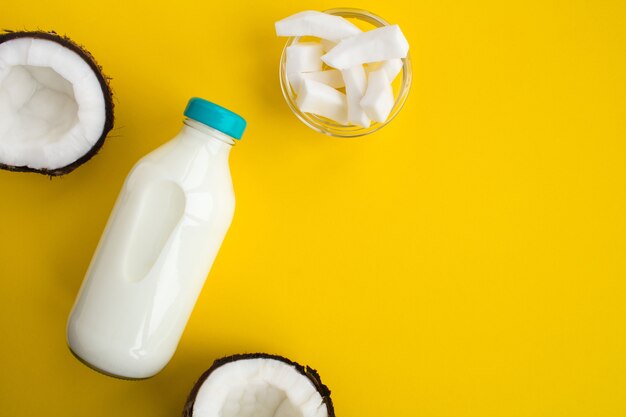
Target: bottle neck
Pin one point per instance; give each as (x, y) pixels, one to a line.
(195, 128)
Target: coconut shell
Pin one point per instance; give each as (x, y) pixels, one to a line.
(306, 371)
(106, 92)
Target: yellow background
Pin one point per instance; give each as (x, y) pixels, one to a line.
(467, 260)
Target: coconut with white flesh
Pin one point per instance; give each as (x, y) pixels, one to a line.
(318, 24)
(356, 83)
(259, 385)
(380, 44)
(330, 77)
(323, 100)
(378, 99)
(56, 106)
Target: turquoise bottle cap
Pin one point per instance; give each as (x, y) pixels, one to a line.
(215, 116)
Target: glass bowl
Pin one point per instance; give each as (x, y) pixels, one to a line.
(330, 127)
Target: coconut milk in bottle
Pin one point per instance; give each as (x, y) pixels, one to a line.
(158, 246)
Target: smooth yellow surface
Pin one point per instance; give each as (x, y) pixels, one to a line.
(467, 260)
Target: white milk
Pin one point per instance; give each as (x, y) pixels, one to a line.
(156, 251)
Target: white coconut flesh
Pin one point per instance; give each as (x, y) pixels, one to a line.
(52, 108)
(258, 387)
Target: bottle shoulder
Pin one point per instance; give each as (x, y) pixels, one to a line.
(185, 160)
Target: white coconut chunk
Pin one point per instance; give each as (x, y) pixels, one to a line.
(392, 67)
(52, 106)
(380, 44)
(323, 100)
(302, 57)
(330, 77)
(318, 24)
(378, 99)
(356, 84)
(258, 387)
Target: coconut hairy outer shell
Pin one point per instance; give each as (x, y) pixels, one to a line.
(307, 371)
(104, 85)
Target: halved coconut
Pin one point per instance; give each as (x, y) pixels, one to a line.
(56, 106)
(259, 385)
